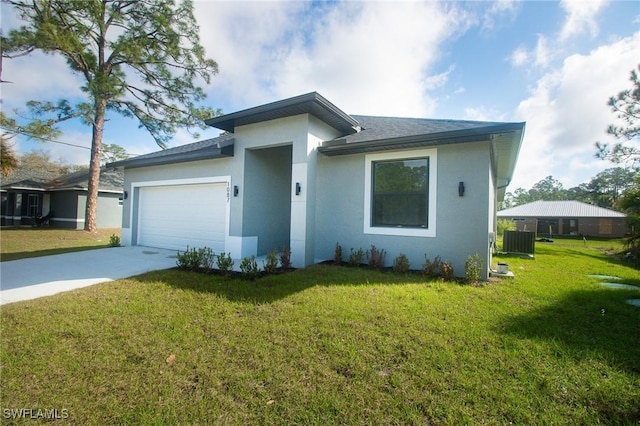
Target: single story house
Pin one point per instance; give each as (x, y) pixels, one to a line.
(302, 173)
(551, 218)
(27, 194)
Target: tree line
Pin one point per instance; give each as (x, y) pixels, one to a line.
(606, 189)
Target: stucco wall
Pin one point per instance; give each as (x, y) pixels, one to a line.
(461, 222)
(267, 196)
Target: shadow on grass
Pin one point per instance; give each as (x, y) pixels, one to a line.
(594, 323)
(271, 288)
(6, 257)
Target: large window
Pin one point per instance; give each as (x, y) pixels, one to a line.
(400, 190)
(400, 193)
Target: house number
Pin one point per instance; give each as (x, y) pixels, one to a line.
(228, 193)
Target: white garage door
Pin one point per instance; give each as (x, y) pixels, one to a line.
(178, 216)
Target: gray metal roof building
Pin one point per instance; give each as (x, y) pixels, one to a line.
(567, 218)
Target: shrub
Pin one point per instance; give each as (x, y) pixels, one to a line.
(285, 258)
(473, 268)
(206, 258)
(337, 255)
(431, 269)
(401, 264)
(355, 257)
(270, 266)
(375, 258)
(505, 225)
(225, 263)
(446, 271)
(189, 260)
(114, 240)
(249, 268)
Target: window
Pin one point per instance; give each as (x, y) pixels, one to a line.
(33, 202)
(400, 190)
(400, 193)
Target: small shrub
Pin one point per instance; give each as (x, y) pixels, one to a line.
(401, 264)
(249, 268)
(189, 260)
(285, 258)
(375, 258)
(505, 225)
(355, 257)
(431, 268)
(270, 266)
(225, 263)
(114, 240)
(446, 271)
(207, 257)
(473, 268)
(337, 254)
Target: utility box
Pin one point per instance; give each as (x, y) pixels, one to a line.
(519, 242)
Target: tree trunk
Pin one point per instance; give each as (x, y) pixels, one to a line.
(90, 217)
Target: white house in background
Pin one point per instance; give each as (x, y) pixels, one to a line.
(302, 173)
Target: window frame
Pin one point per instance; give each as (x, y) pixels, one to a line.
(370, 159)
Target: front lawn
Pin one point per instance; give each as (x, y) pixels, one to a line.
(21, 243)
(334, 345)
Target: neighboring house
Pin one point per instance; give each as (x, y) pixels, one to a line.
(27, 194)
(302, 173)
(551, 218)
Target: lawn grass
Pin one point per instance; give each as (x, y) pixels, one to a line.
(334, 345)
(21, 243)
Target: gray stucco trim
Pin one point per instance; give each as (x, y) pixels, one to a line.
(311, 103)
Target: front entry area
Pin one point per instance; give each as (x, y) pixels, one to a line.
(177, 216)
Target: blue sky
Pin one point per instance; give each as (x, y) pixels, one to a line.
(551, 64)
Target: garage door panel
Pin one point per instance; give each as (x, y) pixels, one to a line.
(178, 216)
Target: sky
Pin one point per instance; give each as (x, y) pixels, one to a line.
(550, 64)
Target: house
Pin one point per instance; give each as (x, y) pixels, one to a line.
(302, 173)
(27, 194)
(567, 218)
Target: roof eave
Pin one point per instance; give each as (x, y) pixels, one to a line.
(342, 147)
(204, 154)
(311, 103)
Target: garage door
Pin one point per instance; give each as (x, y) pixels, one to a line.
(178, 216)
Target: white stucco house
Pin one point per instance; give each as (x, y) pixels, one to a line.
(302, 173)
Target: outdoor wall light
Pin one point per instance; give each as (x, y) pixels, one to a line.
(125, 195)
(235, 190)
(461, 189)
(298, 188)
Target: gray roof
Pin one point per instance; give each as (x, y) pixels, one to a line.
(359, 134)
(22, 178)
(311, 103)
(42, 180)
(110, 180)
(567, 209)
(219, 147)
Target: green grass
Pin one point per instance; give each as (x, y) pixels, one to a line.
(334, 345)
(21, 243)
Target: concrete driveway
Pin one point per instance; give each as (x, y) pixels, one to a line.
(27, 279)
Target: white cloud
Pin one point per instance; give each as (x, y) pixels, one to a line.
(567, 112)
(500, 11)
(581, 17)
(483, 113)
(541, 56)
(519, 57)
(367, 57)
